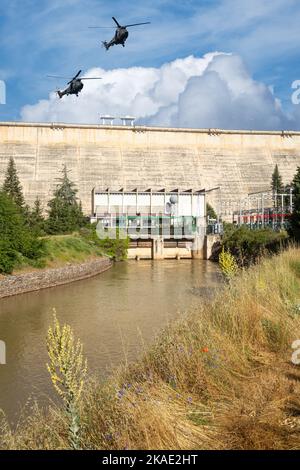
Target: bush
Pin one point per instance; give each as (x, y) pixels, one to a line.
(114, 248)
(248, 246)
(8, 257)
(227, 264)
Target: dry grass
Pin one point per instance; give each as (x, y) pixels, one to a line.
(219, 378)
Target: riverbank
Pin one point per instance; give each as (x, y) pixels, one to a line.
(47, 278)
(221, 377)
(67, 259)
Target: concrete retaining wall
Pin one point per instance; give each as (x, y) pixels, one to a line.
(210, 244)
(240, 162)
(34, 281)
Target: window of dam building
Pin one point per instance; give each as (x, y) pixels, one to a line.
(116, 315)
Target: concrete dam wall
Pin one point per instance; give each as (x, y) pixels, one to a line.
(141, 158)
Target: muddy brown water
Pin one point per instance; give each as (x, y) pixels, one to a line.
(115, 315)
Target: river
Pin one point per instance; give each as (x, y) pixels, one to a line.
(115, 315)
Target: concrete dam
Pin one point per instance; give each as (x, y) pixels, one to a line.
(139, 158)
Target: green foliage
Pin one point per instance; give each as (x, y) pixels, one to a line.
(274, 333)
(65, 213)
(295, 218)
(211, 212)
(36, 220)
(12, 186)
(116, 248)
(69, 249)
(276, 186)
(8, 257)
(227, 264)
(248, 246)
(16, 238)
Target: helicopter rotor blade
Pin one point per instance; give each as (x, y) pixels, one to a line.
(101, 27)
(76, 76)
(55, 76)
(137, 24)
(118, 24)
(93, 78)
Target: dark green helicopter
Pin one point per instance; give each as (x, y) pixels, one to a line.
(121, 34)
(75, 84)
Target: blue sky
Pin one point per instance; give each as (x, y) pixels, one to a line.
(40, 37)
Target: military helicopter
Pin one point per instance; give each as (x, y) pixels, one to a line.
(121, 34)
(75, 84)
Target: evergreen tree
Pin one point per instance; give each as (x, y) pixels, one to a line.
(276, 186)
(211, 213)
(36, 219)
(12, 186)
(16, 239)
(65, 213)
(295, 218)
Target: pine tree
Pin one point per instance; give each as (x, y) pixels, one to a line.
(16, 239)
(295, 218)
(277, 185)
(36, 219)
(12, 186)
(65, 213)
(211, 213)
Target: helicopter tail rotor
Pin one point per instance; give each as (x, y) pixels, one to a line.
(105, 44)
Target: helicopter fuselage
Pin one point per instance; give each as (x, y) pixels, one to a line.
(74, 88)
(120, 37)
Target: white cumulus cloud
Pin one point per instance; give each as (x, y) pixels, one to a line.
(215, 91)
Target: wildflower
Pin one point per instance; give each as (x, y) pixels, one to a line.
(228, 264)
(120, 394)
(68, 369)
(205, 350)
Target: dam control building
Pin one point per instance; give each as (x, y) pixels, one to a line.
(159, 224)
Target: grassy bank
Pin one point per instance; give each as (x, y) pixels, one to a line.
(221, 377)
(76, 248)
(60, 250)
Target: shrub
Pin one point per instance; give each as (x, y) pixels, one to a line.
(227, 263)
(67, 368)
(114, 248)
(8, 257)
(248, 246)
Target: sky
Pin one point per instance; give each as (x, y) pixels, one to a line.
(203, 64)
